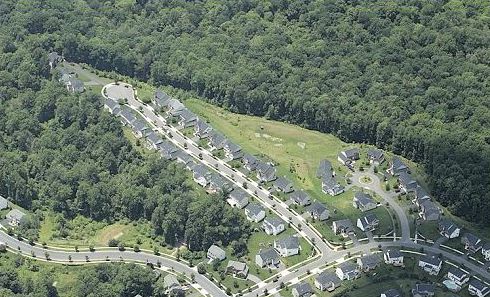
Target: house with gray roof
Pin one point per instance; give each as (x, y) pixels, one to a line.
(218, 183)
(153, 140)
(284, 185)
(331, 186)
(471, 242)
(458, 276)
(54, 59)
(139, 128)
(75, 85)
(216, 140)
(364, 202)
(347, 271)
(300, 198)
(267, 258)
(287, 246)
(478, 288)
(4, 204)
(273, 225)
(15, 217)
(168, 150)
(237, 269)
(327, 281)
(391, 293)
(187, 118)
(183, 157)
(375, 156)
(174, 107)
(202, 129)
(302, 289)
(250, 162)
(348, 156)
(112, 106)
(232, 151)
(255, 212)
(200, 174)
(393, 257)
(406, 182)
(318, 211)
(216, 253)
(421, 195)
(368, 262)
(172, 285)
(397, 166)
(449, 229)
(343, 227)
(429, 211)
(423, 290)
(266, 172)
(368, 223)
(325, 169)
(161, 98)
(430, 264)
(238, 198)
(126, 116)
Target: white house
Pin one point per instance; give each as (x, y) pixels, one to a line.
(267, 258)
(393, 257)
(343, 227)
(486, 251)
(449, 229)
(327, 281)
(273, 226)
(288, 246)
(255, 212)
(478, 288)
(216, 253)
(368, 223)
(368, 262)
(348, 156)
(458, 276)
(347, 271)
(238, 198)
(430, 264)
(15, 217)
(363, 202)
(237, 269)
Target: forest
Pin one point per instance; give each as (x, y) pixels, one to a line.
(409, 76)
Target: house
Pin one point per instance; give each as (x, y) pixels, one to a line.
(430, 264)
(397, 166)
(216, 253)
(325, 169)
(391, 293)
(127, 117)
(139, 128)
(300, 198)
(54, 59)
(172, 285)
(187, 118)
(15, 217)
(406, 182)
(368, 223)
(393, 257)
(458, 276)
(174, 107)
(219, 183)
(423, 290)
(273, 226)
(232, 150)
(183, 157)
(112, 106)
(485, 250)
(421, 195)
(255, 212)
(302, 289)
(478, 288)
(327, 281)
(153, 140)
(202, 129)
(288, 246)
(265, 172)
(449, 229)
(368, 262)
(161, 99)
(347, 271)
(331, 186)
(429, 211)
(267, 258)
(318, 211)
(250, 162)
(284, 185)
(343, 227)
(75, 85)
(348, 156)
(363, 202)
(471, 243)
(168, 150)
(238, 198)
(216, 140)
(200, 174)
(4, 204)
(375, 157)
(237, 269)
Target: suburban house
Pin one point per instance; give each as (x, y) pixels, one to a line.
(75, 85)
(161, 98)
(302, 289)
(139, 128)
(266, 172)
(153, 140)
(327, 281)
(393, 257)
(284, 185)
(449, 229)
(54, 59)
(423, 290)
(4, 204)
(458, 276)
(112, 106)
(343, 227)
(429, 211)
(348, 156)
(238, 198)
(267, 258)
(375, 157)
(202, 129)
(216, 253)
(347, 271)
(14, 217)
(172, 285)
(250, 162)
(273, 225)
(331, 187)
(232, 151)
(300, 198)
(363, 202)
(127, 117)
(420, 195)
(255, 212)
(288, 246)
(168, 150)
(397, 166)
(200, 174)
(318, 211)
(406, 182)
(184, 158)
(187, 118)
(485, 250)
(216, 140)
(368, 262)
(325, 169)
(174, 107)
(430, 264)
(478, 288)
(391, 293)
(368, 223)
(218, 183)
(237, 269)
(471, 243)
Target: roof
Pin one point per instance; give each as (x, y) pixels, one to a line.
(290, 242)
(238, 194)
(254, 209)
(282, 183)
(457, 272)
(216, 250)
(472, 239)
(187, 115)
(303, 288)
(398, 165)
(327, 277)
(266, 169)
(425, 288)
(139, 125)
(345, 224)
(273, 221)
(268, 254)
(76, 84)
(299, 196)
(431, 259)
(421, 193)
(347, 267)
(329, 182)
(216, 138)
(170, 280)
(15, 214)
(167, 147)
(182, 155)
(53, 56)
(479, 285)
(161, 97)
(375, 154)
(394, 254)
(218, 181)
(239, 266)
(3, 203)
(447, 226)
(127, 114)
(407, 180)
(232, 147)
(175, 104)
(363, 199)
(324, 169)
(250, 159)
(200, 170)
(351, 153)
(392, 293)
(369, 219)
(202, 125)
(112, 104)
(370, 260)
(154, 138)
(317, 208)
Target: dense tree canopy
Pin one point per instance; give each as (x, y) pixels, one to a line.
(410, 76)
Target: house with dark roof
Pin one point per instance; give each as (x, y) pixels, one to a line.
(348, 156)
(15, 217)
(112, 106)
(471, 243)
(200, 174)
(183, 157)
(287, 246)
(168, 150)
(406, 182)
(255, 212)
(238, 198)
(216, 253)
(375, 157)
(429, 211)
(300, 198)
(331, 186)
(126, 116)
(218, 183)
(54, 59)
(421, 195)
(265, 172)
(273, 225)
(237, 269)
(458, 276)
(430, 264)
(232, 151)
(327, 281)
(393, 257)
(4, 204)
(368, 262)
(161, 99)
(302, 289)
(250, 162)
(187, 118)
(139, 128)
(172, 285)
(368, 223)
(174, 107)
(267, 258)
(391, 293)
(363, 202)
(485, 250)
(153, 140)
(216, 140)
(202, 129)
(318, 211)
(478, 288)
(397, 166)
(449, 229)
(423, 290)
(75, 85)
(325, 169)
(284, 185)
(347, 271)
(343, 227)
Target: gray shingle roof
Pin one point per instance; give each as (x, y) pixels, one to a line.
(273, 221)
(324, 169)
(290, 242)
(300, 197)
(254, 209)
(479, 286)
(363, 199)
(303, 288)
(392, 293)
(269, 254)
(327, 277)
(398, 165)
(282, 183)
(431, 259)
(239, 194)
(316, 208)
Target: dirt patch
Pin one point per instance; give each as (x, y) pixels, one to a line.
(111, 232)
